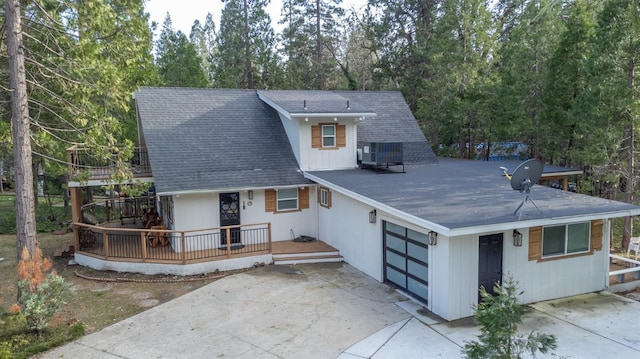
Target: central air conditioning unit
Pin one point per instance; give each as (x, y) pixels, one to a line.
(382, 154)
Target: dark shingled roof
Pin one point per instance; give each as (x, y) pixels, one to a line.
(456, 194)
(393, 122)
(294, 101)
(209, 139)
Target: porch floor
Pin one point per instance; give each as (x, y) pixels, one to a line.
(291, 247)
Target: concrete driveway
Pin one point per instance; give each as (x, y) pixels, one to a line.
(333, 310)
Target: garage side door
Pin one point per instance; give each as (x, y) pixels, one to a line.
(406, 259)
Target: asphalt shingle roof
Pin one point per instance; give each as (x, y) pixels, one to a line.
(210, 139)
(294, 101)
(456, 194)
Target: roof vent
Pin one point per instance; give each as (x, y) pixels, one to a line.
(382, 155)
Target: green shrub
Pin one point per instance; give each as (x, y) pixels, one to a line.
(40, 305)
(499, 317)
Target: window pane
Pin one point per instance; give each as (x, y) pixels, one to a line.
(396, 277)
(395, 243)
(396, 261)
(328, 130)
(553, 240)
(417, 236)
(287, 198)
(417, 288)
(578, 240)
(328, 142)
(418, 252)
(324, 197)
(395, 228)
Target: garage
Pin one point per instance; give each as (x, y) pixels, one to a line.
(406, 263)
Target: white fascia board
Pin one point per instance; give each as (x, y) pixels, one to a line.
(275, 106)
(329, 114)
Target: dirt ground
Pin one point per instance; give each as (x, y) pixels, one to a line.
(98, 299)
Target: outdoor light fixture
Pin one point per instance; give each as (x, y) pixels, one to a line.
(517, 238)
(433, 238)
(372, 216)
(250, 194)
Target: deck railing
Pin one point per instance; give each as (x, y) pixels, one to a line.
(626, 278)
(82, 161)
(116, 209)
(173, 247)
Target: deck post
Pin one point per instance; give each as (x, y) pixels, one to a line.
(183, 243)
(269, 237)
(228, 231)
(143, 242)
(105, 235)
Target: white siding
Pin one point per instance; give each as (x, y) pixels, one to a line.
(292, 129)
(346, 227)
(199, 211)
(556, 278)
(313, 159)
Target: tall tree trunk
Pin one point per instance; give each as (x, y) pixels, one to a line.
(627, 233)
(319, 72)
(247, 49)
(25, 210)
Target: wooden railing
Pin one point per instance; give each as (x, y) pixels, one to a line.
(173, 247)
(626, 278)
(83, 163)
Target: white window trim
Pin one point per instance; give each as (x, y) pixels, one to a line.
(334, 136)
(278, 200)
(566, 242)
(324, 197)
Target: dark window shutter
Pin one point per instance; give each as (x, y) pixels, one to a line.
(303, 197)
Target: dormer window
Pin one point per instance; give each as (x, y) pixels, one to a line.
(328, 135)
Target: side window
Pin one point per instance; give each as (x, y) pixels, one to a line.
(287, 199)
(565, 239)
(328, 136)
(324, 197)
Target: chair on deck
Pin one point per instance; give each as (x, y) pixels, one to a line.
(634, 245)
(157, 238)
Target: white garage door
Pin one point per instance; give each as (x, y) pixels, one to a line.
(406, 259)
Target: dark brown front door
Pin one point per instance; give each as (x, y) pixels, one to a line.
(230, 216)
(490, 262)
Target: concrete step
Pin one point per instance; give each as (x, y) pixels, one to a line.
(295, 259)
(309, 254)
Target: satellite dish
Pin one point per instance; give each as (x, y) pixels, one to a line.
(526, 175)
(522, 179)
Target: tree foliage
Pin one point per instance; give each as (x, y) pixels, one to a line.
(499, 316)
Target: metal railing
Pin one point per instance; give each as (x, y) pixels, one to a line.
(124, 208)
(81, 160)
(175, 247)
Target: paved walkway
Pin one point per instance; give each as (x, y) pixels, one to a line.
(335, 311)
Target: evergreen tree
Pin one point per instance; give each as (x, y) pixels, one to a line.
(177, 59)
(245, 43)
(310, 41)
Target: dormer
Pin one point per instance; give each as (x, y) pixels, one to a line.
(321, 126)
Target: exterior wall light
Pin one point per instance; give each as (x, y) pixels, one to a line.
(433, 238)
(372, 216)
(517, 238)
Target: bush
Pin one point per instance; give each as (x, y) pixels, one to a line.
(499, 317)
(40, 305)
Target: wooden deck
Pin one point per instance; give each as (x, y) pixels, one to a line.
(291, 247)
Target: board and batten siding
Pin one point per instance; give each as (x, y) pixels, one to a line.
(341, 157)
(345, 226)
(544, 279)
(292, 129)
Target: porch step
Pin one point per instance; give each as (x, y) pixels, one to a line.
(300, 258)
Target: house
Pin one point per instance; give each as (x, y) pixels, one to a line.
(354, 170)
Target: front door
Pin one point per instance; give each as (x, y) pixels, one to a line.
(230, 216)
(490, 262)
